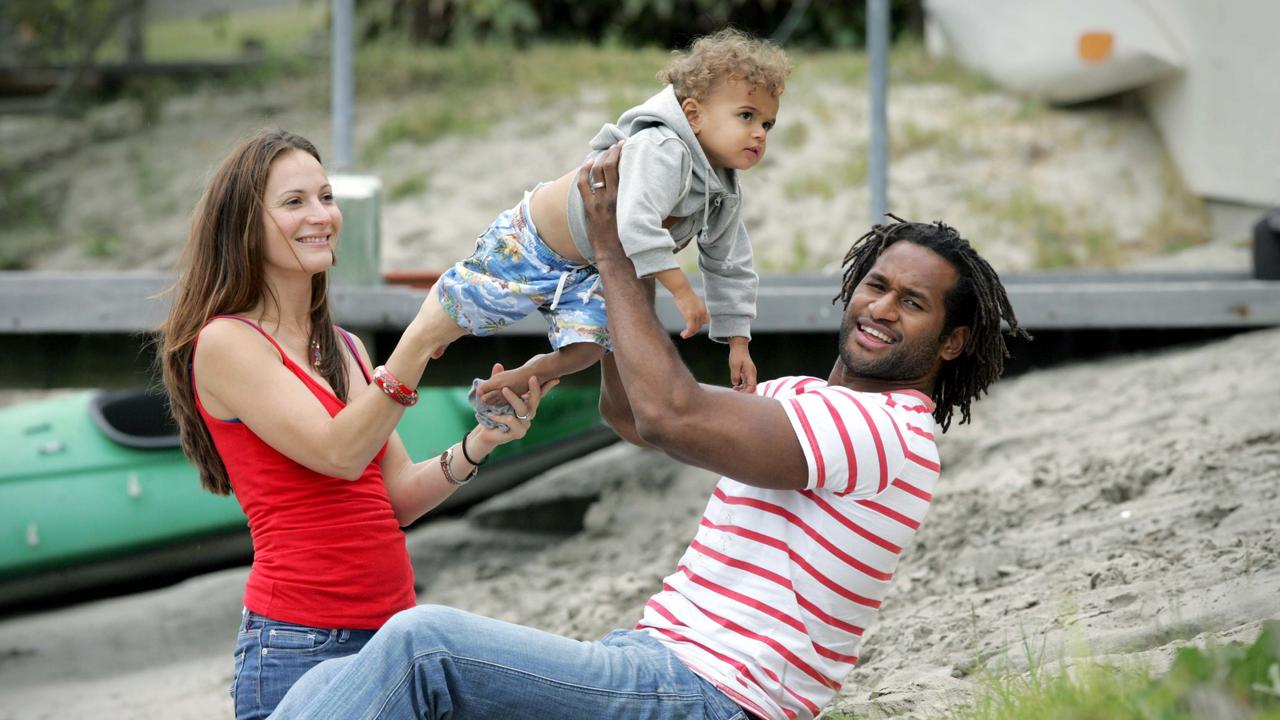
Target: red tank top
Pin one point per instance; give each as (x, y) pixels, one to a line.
(327, 552)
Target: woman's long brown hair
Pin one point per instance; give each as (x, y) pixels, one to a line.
(221, 273)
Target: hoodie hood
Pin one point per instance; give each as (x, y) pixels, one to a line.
(663, 111)
(666, 176)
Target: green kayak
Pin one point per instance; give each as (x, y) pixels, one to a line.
(94, 489)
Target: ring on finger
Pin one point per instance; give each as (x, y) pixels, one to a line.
(525, 418)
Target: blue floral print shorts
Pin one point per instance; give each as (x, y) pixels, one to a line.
(512, 273)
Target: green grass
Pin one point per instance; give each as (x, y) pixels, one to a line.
(408, 187)
(1056, 242)
(910, 138)
(102, 243)
(849, 67)
(1182, 221)
(1236, 681)
(465, 90)
(152, 179)
(830, 180)
(281, 31)
(908, 63)
(793, 135)
(27, 220)
(1233, 681)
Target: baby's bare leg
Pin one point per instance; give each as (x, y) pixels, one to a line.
(565, 361)
(435, 320)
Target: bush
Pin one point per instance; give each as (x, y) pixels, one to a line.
(669, 23)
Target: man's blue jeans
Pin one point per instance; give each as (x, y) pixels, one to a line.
(437, 662)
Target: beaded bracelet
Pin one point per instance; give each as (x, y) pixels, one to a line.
(393, 388)
(446, 460)
(467, 455)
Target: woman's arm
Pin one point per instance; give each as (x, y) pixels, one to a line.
(241, 373)
(416, 488)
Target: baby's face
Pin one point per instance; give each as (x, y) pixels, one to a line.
(733, 123)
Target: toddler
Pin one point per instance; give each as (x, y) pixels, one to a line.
(678, 186)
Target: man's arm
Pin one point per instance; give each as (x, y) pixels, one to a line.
(615, 407)
(746, 437)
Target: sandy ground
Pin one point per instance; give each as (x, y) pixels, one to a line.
(1119, 509)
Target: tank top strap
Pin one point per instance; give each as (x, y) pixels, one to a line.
(255, 326)
(293, 367)
(351, 345)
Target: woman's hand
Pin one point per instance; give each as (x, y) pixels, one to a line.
(482, 440)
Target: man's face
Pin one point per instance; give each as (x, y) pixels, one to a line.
(892, 328)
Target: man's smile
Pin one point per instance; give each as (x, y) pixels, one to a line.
(877, 335)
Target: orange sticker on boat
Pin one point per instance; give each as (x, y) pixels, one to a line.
(1094, 47)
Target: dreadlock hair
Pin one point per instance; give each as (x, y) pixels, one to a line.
(978, 300)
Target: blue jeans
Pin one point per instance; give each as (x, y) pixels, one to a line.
(272, 655)
(436, 662)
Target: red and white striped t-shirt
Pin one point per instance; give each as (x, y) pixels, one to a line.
(770, 601)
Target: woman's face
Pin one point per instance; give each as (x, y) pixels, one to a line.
(300, 218)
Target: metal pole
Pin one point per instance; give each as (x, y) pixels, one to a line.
(878, 49)
(343, 83)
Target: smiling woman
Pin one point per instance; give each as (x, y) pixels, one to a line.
(258, 379)
(301, 214)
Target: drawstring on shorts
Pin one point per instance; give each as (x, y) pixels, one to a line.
(586, 296)
(559, 289)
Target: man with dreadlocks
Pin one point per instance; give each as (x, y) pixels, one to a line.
(825, 483)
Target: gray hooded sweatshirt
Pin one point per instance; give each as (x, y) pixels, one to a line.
(664, 173)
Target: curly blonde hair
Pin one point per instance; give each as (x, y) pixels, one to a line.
(726, 55)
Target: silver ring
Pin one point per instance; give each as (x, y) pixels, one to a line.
(597, 185)
(524, 417)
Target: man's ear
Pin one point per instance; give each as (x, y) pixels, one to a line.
(954, 342)
(692, 113)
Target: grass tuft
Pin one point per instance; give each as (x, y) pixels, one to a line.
(464, 90)
(1232, 681)
(1056, 242)
(408, 187)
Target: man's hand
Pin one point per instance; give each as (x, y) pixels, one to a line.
(745, 437)
(742, 371)
(600, 200)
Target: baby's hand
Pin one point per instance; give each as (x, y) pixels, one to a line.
(516, 379)
(742, 371)
(694, 312)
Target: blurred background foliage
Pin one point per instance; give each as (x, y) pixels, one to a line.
(78, 31)
(669, 23)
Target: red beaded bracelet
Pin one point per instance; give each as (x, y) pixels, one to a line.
(393, 388)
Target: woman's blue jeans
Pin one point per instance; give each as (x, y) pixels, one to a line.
(436, 662)
(272, 655)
